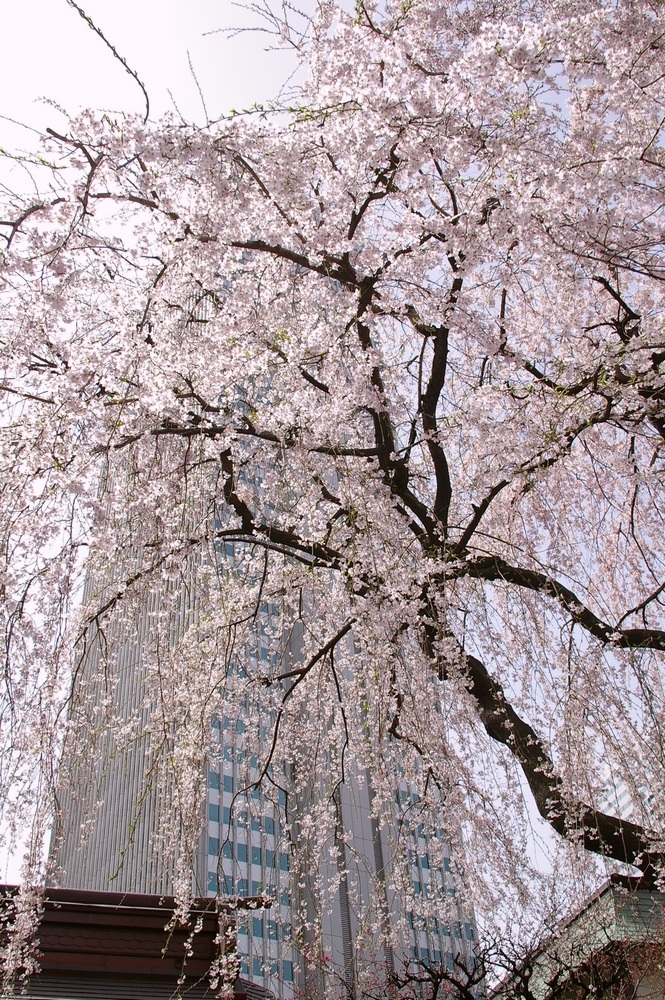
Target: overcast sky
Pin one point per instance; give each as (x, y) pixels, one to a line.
(51, 55)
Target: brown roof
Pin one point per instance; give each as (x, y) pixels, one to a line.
(114, 945)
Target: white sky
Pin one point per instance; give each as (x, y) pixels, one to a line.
(50, 54)
(51, 57)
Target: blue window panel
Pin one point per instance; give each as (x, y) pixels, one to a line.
(242, 887)
(257, 888)
(269, 825)
(216, 724)
(281, 796)
(256, 856)
(228, 783)
(244, 969)
(446, 864)
(212, 882)
(468, 930)
(256, 792)
(437, 955)
(226, 815)
(240, 726)
(270, 858)
(227, 882)
(424, 953)
(227, 754)
(241, 819)
(271, 930)
(257, 967)
(417, 888)
(287, 972)
(424, 861)
(242, 929)
(285, 898)
(284, 862)
(227, 849)
(256, 824)
(257, 926)
(213, 812)
(286, 932)
(213, 846)
(241, 852)
(213, 779)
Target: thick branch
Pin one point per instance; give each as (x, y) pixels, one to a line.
(596, 831)
(493, 568)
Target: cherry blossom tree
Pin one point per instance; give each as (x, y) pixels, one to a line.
(397, 347)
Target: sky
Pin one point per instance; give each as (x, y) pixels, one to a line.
(52, 60)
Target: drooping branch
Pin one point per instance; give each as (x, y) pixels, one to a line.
(598, 832)
(494, 569)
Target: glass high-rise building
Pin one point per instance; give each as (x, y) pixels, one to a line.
(365, 891)
(357, 885)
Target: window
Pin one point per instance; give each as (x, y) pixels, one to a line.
(213, 779)
(256, 856)
(228, 782)
(287, 973)
(226, 815)
(213, 846)
(284, 862)
(213, 884)
(270, 858)
(241, 852)
(285, 898)
(257, 926)
(257, 967)
(257, 888)
(242, 886)
(213, 812)
(227, 849)
(271, 930)
(269, 825)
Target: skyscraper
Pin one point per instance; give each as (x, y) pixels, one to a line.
(354, 890)
(356, 884)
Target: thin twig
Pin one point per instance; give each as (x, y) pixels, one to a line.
(91, 24)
